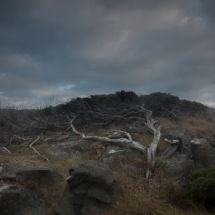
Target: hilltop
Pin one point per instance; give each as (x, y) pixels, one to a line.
(161, 104)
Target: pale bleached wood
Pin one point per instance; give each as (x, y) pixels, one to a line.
(149, 152)
(31, 147)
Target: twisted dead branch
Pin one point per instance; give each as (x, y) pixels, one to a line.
(5, 150)
(95, 116)
(174, 144)
(31, 147)
(149, 152)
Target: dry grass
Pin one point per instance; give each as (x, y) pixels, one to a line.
(63, 166)
(159, 195)
(197, 124)
(21, 153)
(156, 196)
(51, 195)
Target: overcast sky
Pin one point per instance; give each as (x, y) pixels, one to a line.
(72, 48)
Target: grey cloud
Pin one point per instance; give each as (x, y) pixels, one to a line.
(208, 9)
(147, 4)
(105, 46)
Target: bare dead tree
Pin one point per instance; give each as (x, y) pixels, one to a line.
(95, 116)
(149, 152)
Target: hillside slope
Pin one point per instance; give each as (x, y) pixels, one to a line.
(58, 143)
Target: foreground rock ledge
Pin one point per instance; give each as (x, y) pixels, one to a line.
(92, 189)
(28, 172)
(15, 200)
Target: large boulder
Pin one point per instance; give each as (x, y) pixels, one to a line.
(20, 201)
(66, 207)
(92, 189)
(91, 171)
(28, 172)
(179, 168)
(199, 154)
(210, 140)
(203, 153)
(179, 133)
(70, 149)
(179, 140)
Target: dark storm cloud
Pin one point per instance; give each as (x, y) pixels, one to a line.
(148, 4)
(208, 9)
(78, 48)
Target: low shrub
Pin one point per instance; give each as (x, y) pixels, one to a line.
(201, 179)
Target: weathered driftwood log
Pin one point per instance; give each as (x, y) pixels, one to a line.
(149, 152)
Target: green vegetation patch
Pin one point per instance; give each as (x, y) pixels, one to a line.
(202, 178)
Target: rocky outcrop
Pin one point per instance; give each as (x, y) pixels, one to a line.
(179, 133)
(92, 189)
(18, 200)
(178, 161)
(178, 139)
(210, 140)
(91, 171)
(179, 168)
(27, 172)
(70, 149)
(203, 153)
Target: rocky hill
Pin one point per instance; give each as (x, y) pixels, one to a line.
(105, 155)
